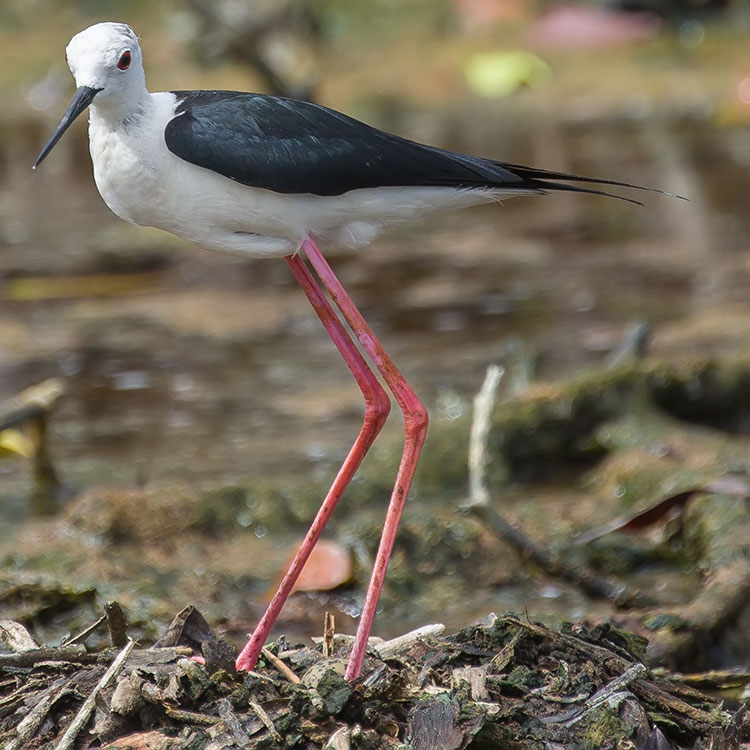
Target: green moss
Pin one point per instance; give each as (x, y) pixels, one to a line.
(524, 677)
(602, 728)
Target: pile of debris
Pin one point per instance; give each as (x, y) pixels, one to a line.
(504, 683)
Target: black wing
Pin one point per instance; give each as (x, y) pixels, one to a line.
(292, 146)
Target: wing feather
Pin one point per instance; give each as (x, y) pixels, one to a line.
(292, 146)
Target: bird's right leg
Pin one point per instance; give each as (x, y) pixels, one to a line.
(415, 428)
(377, 407)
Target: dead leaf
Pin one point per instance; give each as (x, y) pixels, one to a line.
(329, 565)
(734, 486)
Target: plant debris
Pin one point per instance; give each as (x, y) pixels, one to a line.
(504, 683)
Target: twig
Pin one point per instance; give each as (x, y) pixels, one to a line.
(346, 640)
(613, 689)
(480, 428)
(259, 676)
(279, 665)
(29, 725)
(585, 579)
(191, 717)
(84, 634)
(479, 505)
(84, 713)
(402, 642)
(227, 715)
(266, 721)
(650, 692)
(329, 631)
(12, 702)
(615, 685)
(75, 653)
(633, 345)
(116, 623)
(590, 651)
(30, 410)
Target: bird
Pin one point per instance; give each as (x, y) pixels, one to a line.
(265, 176)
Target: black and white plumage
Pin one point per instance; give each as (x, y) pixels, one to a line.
(266, 176)
(291, 146)
(295, 169)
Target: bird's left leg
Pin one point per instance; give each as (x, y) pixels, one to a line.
(415, 429)
(377, 407)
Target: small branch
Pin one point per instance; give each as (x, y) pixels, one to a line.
(84, 634)
(585, 579)
(191, 717)
(633, 345)
(402, 642)
(244, 40)
(75, 653)
(484, 402)
(84, 713)
(479, 505)
(241, 737)
(116, 623)
(279, 665)
(612, 690)
(28, 727)
(329, 632)
(29, 412)
(266, 721)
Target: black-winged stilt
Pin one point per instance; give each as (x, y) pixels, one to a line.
(265, 176)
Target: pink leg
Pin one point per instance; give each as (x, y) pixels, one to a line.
(415, 427)
(377, 407)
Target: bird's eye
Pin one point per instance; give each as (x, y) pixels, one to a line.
(124, 62)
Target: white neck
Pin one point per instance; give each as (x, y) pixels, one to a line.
(128, 104)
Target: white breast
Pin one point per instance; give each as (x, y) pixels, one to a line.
(127, 159)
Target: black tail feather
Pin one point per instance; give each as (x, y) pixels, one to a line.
(545, 187)
(540, 179)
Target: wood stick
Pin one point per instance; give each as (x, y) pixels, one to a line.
(266, 720)
(479, 505)
(329, 634)
(84, 713)
(279, 665)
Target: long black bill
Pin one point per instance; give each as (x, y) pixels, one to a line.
(83, 97)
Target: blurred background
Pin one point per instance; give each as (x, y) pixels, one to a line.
(200, 409)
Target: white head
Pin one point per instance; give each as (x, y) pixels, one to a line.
(107, 57)
(106, 62)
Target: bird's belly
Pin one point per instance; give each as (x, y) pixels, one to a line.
(205, 208)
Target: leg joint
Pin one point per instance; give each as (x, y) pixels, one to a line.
(378, 406)
(416, 419)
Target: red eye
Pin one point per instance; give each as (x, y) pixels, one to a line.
(124, 60)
